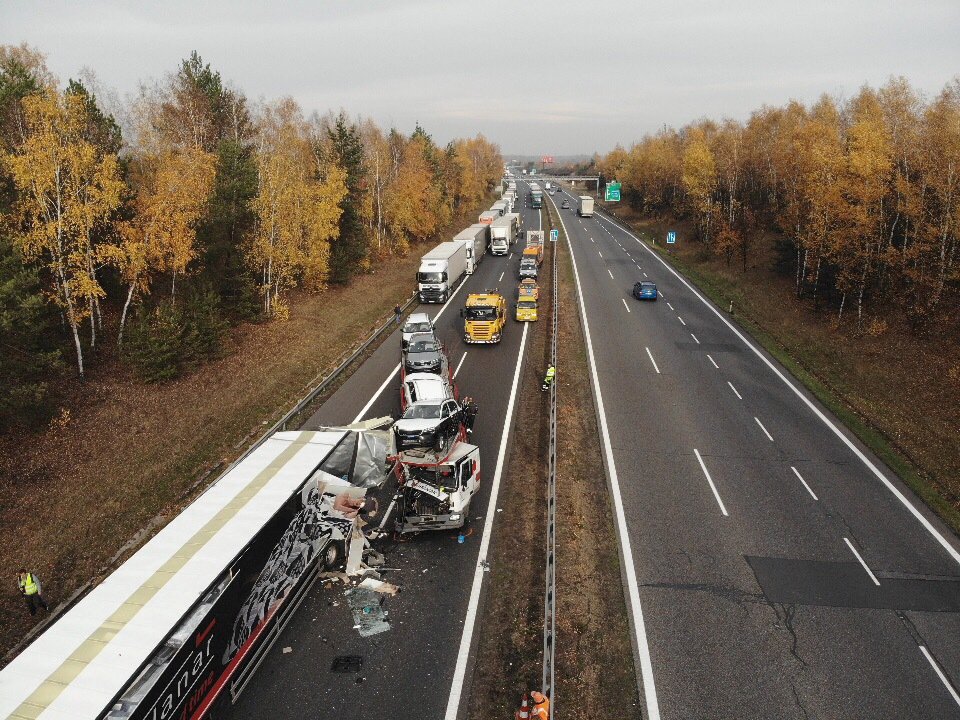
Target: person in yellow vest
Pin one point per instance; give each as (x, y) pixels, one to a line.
(30, 589)
(548, 378)
(541, 706)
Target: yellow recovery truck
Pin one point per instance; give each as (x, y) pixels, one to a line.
(528, 294)
(484, 317)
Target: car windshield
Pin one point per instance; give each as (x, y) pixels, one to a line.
(648, 286)
(421, 346)
(431, 277)
(481, 313)
(527, 306)
(417, 327)
(422, 411)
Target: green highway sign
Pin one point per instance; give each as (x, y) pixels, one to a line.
(611, 192)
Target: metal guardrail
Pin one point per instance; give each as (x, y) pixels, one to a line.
(549, 598)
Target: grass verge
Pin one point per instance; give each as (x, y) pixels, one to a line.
(129, 456)
(898, 392)
(594, 655)
(509, 659)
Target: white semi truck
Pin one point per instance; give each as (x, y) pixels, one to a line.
(586, 206)
(441, 270)
(475, 240)
(435, 489)
(503, 232)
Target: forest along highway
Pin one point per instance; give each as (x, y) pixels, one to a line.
(778, 576)
(408, 671)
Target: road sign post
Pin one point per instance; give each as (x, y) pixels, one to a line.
(611, 192)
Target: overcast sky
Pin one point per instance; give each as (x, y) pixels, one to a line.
(555, 77)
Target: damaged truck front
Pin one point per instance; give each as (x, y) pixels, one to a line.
(434, 490)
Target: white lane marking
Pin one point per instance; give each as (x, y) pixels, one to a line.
(625, 304)
(862, 562)
(695, 338)
(610, 274)
(600, 254)
(670, 306)
(800, 478)
(939, 672)
(713, 487)
(650, 355)
(681, 320)
(710, 357)
(383, 387)
(911, 508)
(769, 436)
(373, 399)
(734, 390)
(645, 275)
(626, 550)
(660, 293)
(460, 363)
(501, 276)
(510, 256)
(463, 655)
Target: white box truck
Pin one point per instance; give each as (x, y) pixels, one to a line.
(500, 206)
(503, 231)
(586, 206)
(441, 270)
(474, 239)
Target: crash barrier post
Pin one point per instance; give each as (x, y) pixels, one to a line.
(549, 598)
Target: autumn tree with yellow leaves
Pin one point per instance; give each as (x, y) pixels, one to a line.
(66, 189)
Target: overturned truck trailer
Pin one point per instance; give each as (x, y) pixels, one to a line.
(435, 489)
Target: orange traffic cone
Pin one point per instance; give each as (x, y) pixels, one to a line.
(524, 712)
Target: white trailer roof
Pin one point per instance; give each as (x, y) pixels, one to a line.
(83, 661)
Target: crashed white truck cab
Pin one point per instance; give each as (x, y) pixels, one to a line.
(435, 489)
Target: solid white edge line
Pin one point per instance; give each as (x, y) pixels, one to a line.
(862, 562)
(800, 478)
(650, 355)
(928, 526)
(710, 357)
(769, 436)
(713, 487)
(633, 589)
(463, 655)
(734, 390)
(383, 387)
(459, 364)
(625, 304)
(939, 672)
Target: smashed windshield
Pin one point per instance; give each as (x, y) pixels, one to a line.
(422, 411)
(481, 313)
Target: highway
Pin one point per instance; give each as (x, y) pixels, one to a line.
(420, 668)
(774, 567)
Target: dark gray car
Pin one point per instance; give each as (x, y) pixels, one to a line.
(423, 354)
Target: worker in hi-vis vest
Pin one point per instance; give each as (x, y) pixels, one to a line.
(30, 588)
(548, 378)
(541, 706)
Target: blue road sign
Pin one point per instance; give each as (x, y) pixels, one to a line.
(554, 234)
(671, 237)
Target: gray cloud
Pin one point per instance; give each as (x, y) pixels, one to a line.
(538, 77)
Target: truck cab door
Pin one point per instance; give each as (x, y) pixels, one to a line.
(468, 473)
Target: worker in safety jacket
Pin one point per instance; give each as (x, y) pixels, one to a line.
(541, 706)
(29, 585)
(548, 378)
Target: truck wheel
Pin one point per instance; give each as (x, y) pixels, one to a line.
(333, 554)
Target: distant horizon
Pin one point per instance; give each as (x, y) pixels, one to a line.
(562, 82)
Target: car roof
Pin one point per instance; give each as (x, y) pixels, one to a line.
(418, 317)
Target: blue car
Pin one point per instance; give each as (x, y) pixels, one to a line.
(645, 291)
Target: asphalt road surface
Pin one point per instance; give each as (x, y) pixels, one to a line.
(771, 571)
(420, 668)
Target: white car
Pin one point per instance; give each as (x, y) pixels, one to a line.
(416, 323)
(420, 387)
